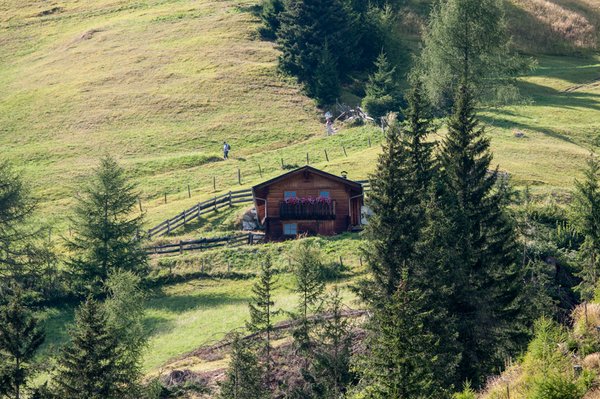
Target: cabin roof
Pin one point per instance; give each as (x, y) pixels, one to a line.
(309, 169)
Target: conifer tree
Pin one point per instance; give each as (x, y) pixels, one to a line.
(585, 215)
(105, 232)
(307, 26)
(326, 84)
(309, 286)
(401, 360)
(20, 338)
(91, 364)
(417, 127)
(467, 40)
(398, 189)
(382, 89)
(244, 377)
(262, 309)
(478, 249)
(124, 308)
(333, 343)
(270, 11)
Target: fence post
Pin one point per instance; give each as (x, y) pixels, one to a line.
(307, 159)
(341, 262)
(199, 210)
(189, 192)
(282, 165)
(369, 141)
(239, 177)
(360, 260)
(165, 198)
(184, 216)
(214, 183)
(230, 200)
(507, 391)
(259, 170)
(180, 247)
(140, 204)
(215, 203)
(326, 156)
(345, 153)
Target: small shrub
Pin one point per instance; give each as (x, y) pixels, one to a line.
(557, 387)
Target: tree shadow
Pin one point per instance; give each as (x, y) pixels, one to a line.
(184, 303)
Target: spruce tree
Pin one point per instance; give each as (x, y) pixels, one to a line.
(91, 364)
(477, 248)
(244, 377)
(105, 232)
(262, 309)
(467, 40)
(382, 89)
(20, 338)
(401, 359)
(307, 26)
(326, 83)
(333, 350)
(309, 286)
(270, 11)
(398, 190)
(585, 216)
(124, 308)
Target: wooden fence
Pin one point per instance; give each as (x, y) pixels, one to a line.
(207, 243)
(212, 205)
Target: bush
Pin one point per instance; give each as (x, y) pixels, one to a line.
(378, 107)
(557, 387)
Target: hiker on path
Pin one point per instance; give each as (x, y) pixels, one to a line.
(329, 127)
(226, 148)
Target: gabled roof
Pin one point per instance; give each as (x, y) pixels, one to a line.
(309, 169)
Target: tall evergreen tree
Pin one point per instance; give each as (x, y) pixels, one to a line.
(307, 26)
(398, 189)
(20, 338)
(262, 309)
(124, 308)
(401, 361)
(309, 286)
(382, 89)
(477, 250)
(105, 232)
(585, 216)
(467, 40)
(326, 83)
(270, 11)
(333, 350)
(91, 364)
(244, 378)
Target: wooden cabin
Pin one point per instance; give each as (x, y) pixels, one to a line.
(308, 201)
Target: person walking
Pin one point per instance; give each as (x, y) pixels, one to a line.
(226, 148)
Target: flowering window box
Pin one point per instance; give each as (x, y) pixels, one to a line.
(309, 208)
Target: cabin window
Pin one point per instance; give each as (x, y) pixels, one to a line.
(290, 229)
(324, 194)
(289, 194)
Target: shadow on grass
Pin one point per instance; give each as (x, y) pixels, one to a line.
(184, 303)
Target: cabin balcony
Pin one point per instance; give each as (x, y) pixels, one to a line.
(309, 210)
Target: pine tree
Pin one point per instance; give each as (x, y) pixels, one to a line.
(417, 127)
(91, 364)
(585, 216)
(244, 377)
(262, 309)
(22, 259)
(398, 189)
(124, 308)
(270, 11)
(309, 286)
(333, 344)
(307, 26)
(467, 40)
(105, 232)
(401, 360)
(382, 89)
(326, 83)
(476, 249)
(20, 338)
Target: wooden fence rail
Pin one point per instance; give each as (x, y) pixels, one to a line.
(207, 243)
(212, 205)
